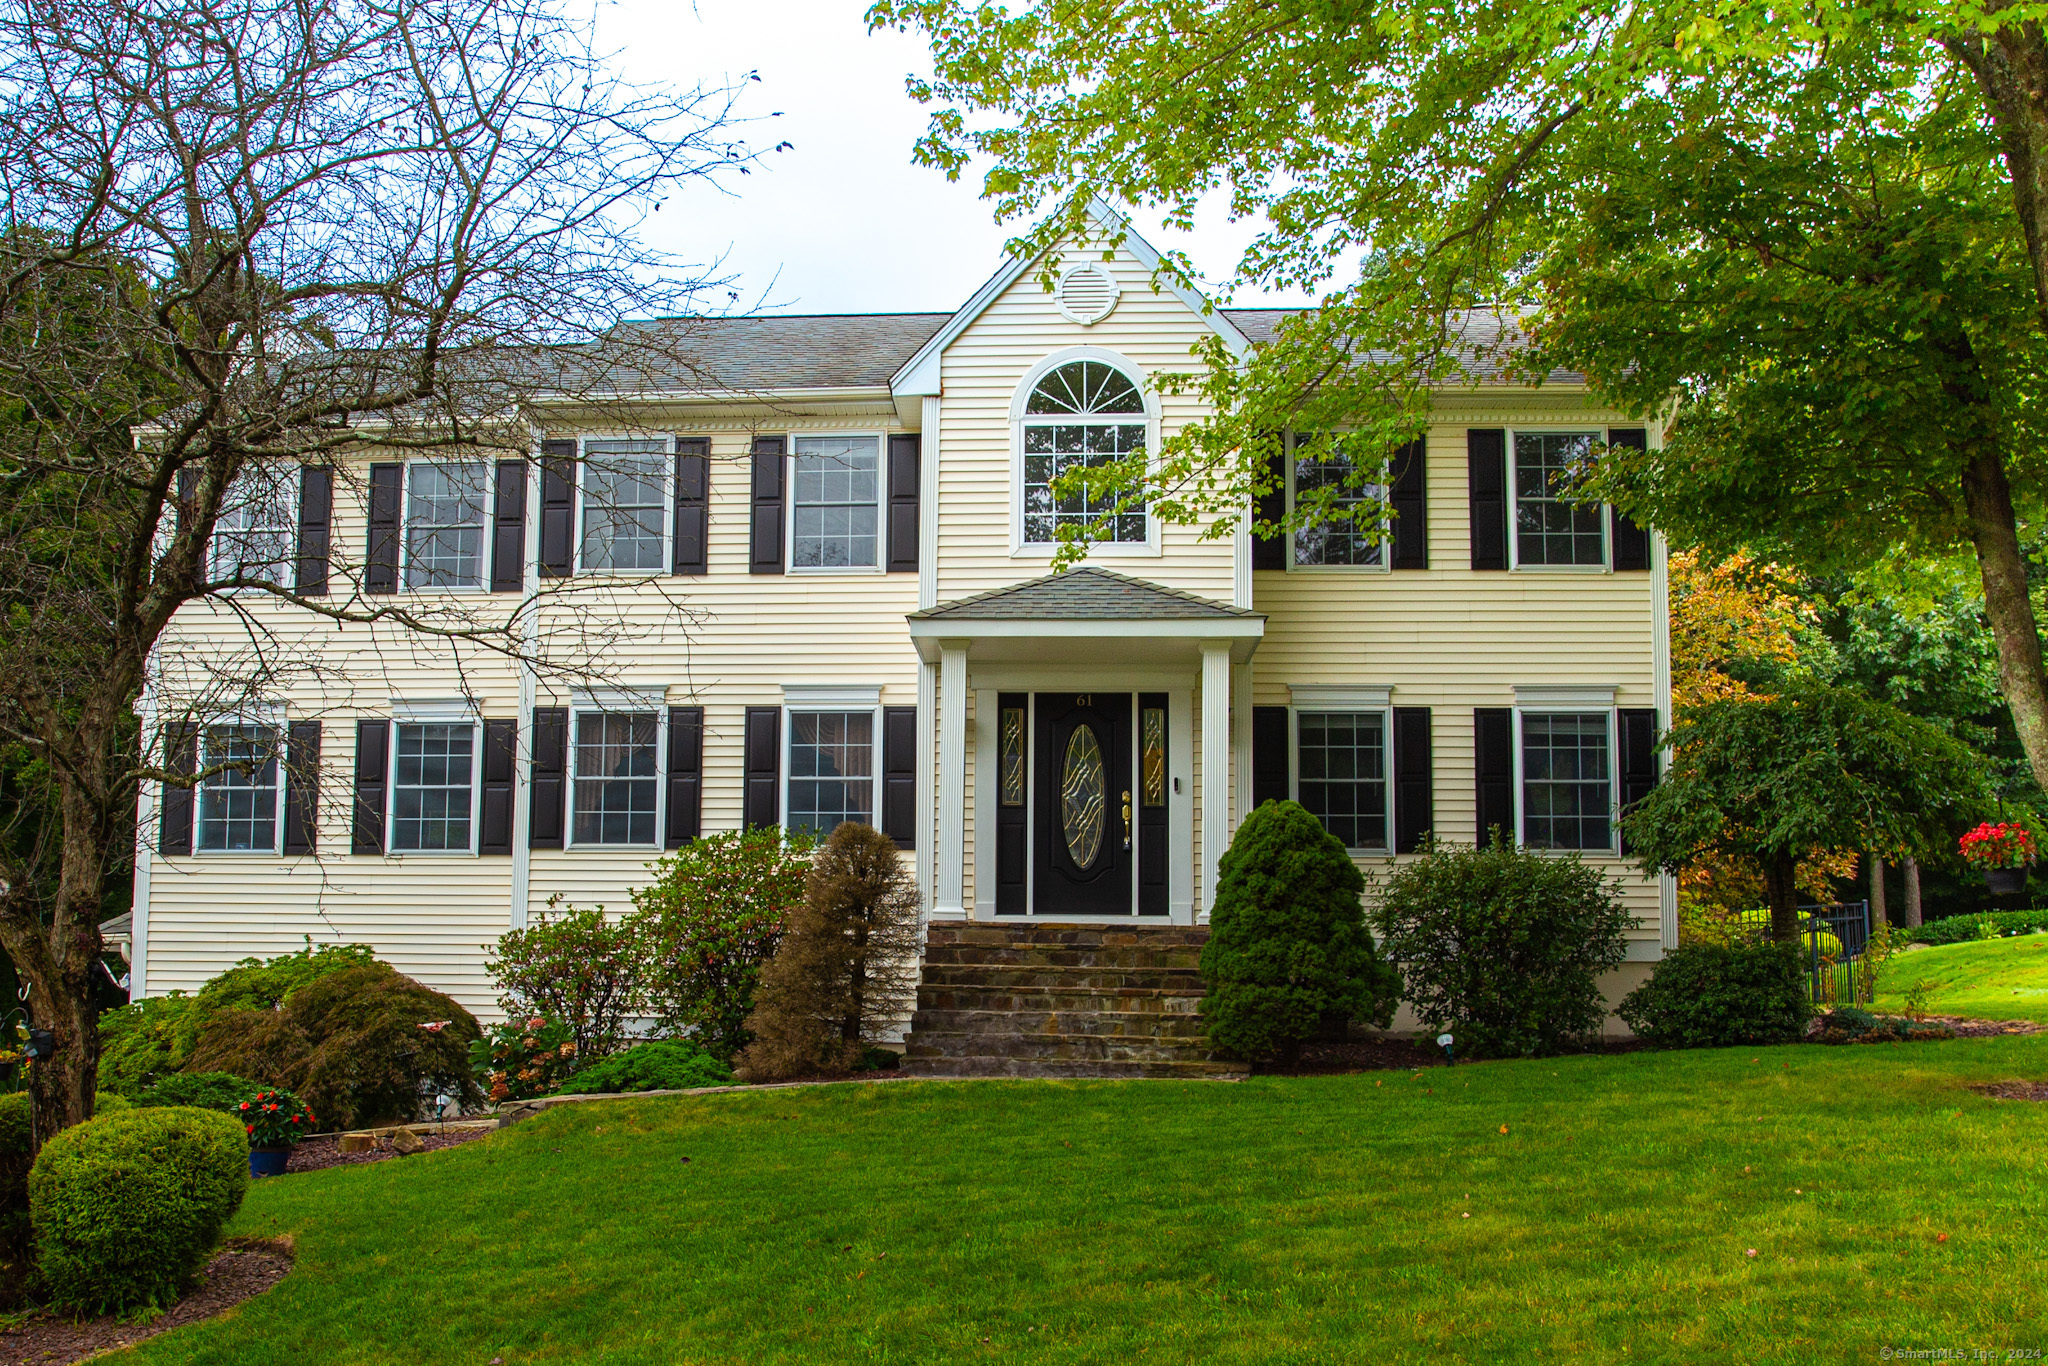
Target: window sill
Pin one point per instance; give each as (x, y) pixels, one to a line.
(1339, 569)
(822, 571)
(1104, 550)
(1561, 569)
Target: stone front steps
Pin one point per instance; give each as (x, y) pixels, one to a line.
(1035, 999)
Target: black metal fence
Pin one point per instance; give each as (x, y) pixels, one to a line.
(1832, 939)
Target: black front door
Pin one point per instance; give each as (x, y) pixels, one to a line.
(1084, 825)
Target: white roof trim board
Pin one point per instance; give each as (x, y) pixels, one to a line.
(920, 374)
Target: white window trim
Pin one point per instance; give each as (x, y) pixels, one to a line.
(421, 714)
(1293, 566)
(1515, 565)
(1335, 700)
(1020, 549)
(483, 559)
(254, 717)
(811, 705)
(579, 708)
(1553, 708)
(881, 565)
(213, 546)
(668, 509)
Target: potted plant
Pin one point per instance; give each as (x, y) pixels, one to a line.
(2003, 850)
(276, 1121)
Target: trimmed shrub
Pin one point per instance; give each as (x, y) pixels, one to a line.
(710, 921)
(1961, 929)
(1288, 958)
(1717, 995)
(221, 1091)
(846, 970)
(16, 1136)
(1502, 946)
(361, 1046)
(128, 1207)
(145, 1041)
(660, 1065)
(1821, 942)
(522, 1058)
(577, 967)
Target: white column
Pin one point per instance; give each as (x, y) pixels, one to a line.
(948, 876)
(927, 786)
(1215, 763)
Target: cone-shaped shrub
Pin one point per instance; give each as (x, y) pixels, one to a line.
(1288, 954)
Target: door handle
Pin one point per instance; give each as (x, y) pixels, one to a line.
(1127, 820)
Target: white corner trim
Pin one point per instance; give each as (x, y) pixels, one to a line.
(433, 709)
(1562, 695)
(1319, 695)
(830, 695)
(616, 699)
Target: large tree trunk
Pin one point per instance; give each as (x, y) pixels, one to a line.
(1877, 907)
(1912, 911)
(2011, 68)
(1987, 497)
(1781, 872)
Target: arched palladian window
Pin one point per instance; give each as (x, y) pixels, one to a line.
(1086, 413)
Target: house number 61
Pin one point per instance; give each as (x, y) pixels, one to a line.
(1086, 699)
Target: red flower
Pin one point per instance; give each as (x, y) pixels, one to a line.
(250, 1127)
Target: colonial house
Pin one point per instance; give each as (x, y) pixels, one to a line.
(825, 557)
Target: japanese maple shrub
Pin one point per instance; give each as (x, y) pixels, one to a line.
(709, 922)
(1288, 957)
(1502, 947)
(574, 965)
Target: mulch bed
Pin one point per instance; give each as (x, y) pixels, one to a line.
(316, 1154)
(1985, 1029)
(2014, 1090)
(242, 1270)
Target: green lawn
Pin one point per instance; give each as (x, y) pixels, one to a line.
(1272, 1221)
(1988, 979)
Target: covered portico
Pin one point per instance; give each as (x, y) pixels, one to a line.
(1089, 690)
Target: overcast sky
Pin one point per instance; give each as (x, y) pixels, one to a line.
(843, 222)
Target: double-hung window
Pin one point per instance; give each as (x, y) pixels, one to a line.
(256, 535)
(617, 785)
(1551, 528)
(1340, 773)
(433, 793)
(837, 504)
(625, 506)
(238, 797)
(831, 769)
(1567, 780)
(1083, 418)
(445, 509)
(1349, 501)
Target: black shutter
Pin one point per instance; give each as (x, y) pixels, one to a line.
(693, 512)
(1628, 543)
(1638, 727)
(905, 456)
(316, 526)
(685, 776)
(1409, 494)
(380, 562)
(181, 756)
(557, 509)
(763, 802)
(764, 536)
(508, 528)
(373, 758)
(1493, 753)
(188, 484)
(1270, 552)
(302, 786)
(1011, 816)
(501, 775)
(1414, 779)
(550, 780)
(1270, 739)
(899, 775)
(1486, 480)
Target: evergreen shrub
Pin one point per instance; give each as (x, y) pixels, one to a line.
(128, 1207)
(658, 1065)
(145, 1041)
(1718, 995)
(1288, 956)
(1961, 929)
(16, 1139)
(1502, 947)
(221, 1091)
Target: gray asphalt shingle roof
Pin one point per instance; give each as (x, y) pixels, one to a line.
(1089, 593)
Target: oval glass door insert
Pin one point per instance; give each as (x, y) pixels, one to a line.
(1081, 793)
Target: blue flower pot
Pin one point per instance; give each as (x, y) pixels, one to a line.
(269, 1161)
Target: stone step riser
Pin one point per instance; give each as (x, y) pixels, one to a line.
(1078, 1070)
(1136, 982)
(1068, 1047)
(1130, 1025)
(1072, 937)
(1059, 956)
(993, 998)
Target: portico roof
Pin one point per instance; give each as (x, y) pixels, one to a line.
(1087, 603)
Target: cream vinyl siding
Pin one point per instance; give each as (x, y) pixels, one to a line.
(725, 641)
(1453, 639)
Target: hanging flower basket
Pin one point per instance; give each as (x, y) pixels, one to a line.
(2002, 851)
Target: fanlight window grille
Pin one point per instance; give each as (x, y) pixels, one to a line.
(1084, 415)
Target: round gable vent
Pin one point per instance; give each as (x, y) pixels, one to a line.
(1086, 293)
